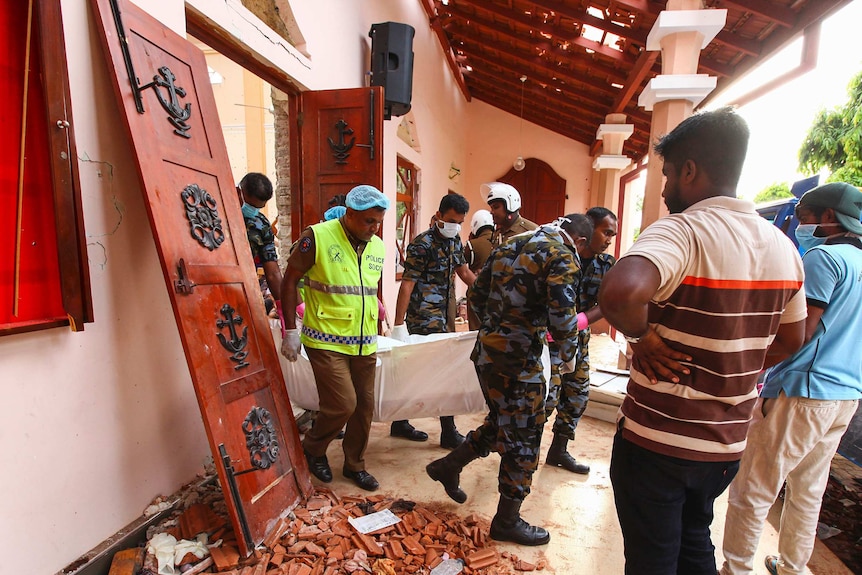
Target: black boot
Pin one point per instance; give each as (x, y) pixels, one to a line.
(449, 436)
(507, 525)
(402, 428)
(448, 469)
(559, 457)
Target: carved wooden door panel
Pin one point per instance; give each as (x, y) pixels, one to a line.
(338, 142)
(543, 191)
(200, 237)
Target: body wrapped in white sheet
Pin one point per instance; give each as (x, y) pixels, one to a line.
(430, 376)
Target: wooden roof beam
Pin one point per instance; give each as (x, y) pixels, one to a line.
(584, 17)
(592, 71)
(573, 118)
(560, 33)
(778, 14)
(812, 12)
(575, 100)
(434, 22)
(574, 86)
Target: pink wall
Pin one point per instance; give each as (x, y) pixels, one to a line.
(493, 142)
(96, 424)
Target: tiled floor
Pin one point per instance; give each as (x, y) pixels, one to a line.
(577, 510)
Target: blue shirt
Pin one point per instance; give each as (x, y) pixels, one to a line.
(829, 366)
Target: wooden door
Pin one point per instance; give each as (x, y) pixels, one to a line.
(543, 191)
(200, 236)
(337, 143)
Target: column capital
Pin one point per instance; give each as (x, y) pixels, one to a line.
(611, 162)
(691, 87)
(708, 22)
(624, 130)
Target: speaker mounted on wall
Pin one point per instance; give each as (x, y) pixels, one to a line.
(392, 65)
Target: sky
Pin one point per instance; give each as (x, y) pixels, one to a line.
(780, 120)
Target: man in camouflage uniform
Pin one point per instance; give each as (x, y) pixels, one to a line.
(256, 190)
(527, 287)
(426, 297)
(569, 393)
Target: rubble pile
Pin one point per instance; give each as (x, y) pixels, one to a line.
(317, 538)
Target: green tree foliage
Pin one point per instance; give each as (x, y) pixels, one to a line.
(834, 140)
(775, 191)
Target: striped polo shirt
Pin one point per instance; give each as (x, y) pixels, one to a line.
(728, 280)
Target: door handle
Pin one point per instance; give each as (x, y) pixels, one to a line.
(183, 285)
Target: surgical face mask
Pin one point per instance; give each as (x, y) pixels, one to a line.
(806, 238)
(448, 230)
(249, 211)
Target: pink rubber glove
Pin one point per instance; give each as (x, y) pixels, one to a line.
(583, 322)
(300, 310)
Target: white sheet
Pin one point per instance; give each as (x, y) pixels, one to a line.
(430, 376)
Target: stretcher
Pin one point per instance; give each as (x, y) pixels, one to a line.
(429, 376)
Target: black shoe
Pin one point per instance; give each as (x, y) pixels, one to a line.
(319, 467)
(362, 478)
(559, 457)
(404, 429)
(450, 438)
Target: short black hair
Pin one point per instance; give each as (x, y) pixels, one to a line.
(256, 185)
(455, 202)
(578, 225)
(715, 141)
(337, 200)
(598, 213)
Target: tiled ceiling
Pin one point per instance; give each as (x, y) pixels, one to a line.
(583, 59)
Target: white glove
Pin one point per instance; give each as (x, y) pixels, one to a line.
(401, 333)
(290, 345)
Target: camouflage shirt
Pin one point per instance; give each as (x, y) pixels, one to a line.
(592, 272)
(528, 286)
(430, 261)
(261, 239)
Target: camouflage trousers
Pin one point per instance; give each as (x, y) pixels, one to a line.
(512, 428)
(568, 393)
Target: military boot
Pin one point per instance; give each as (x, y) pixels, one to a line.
(559, 457)
(507, 525)
(448, 470)
(449, 436)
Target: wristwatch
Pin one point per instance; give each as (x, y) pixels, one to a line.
(633, 340)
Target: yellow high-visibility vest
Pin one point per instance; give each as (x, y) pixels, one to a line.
(340, 293)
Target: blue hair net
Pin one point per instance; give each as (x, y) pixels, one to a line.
(333, 213)
(365, 197)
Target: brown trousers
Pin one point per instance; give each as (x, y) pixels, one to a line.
(345, 385)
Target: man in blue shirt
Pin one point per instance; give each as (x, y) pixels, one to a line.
(810, 397)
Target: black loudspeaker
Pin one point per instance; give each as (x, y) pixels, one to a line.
(392, 65)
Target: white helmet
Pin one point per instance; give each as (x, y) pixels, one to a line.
(505, 192)
(479, 220)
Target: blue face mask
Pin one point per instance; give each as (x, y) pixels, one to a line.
(249, 211)
(806, 238)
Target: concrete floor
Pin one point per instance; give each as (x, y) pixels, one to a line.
(577, 510)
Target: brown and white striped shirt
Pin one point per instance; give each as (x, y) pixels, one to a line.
(728, 280)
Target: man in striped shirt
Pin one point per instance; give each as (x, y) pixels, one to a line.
(705, 297)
